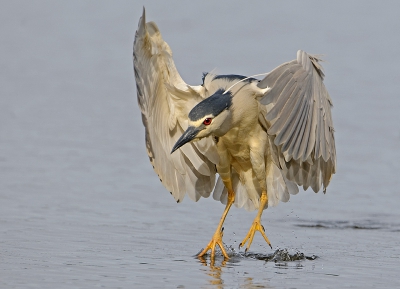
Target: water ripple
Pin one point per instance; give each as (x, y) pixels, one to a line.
(355, 225)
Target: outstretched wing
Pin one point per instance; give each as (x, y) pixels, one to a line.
(165, 101)
(298, 114)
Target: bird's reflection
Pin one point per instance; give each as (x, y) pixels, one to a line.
(249, 284)
(215, 271)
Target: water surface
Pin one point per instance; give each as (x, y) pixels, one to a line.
(80, 205)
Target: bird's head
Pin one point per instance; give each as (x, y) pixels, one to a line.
(210, 116)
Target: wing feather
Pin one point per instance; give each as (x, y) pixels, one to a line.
(165, 101)
(288, 90)
(279, 124)
(280, 84)
(296, 148)
(293, 117)
(298, 111)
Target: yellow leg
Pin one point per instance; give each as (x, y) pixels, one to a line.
(217, 237)
(256, 226)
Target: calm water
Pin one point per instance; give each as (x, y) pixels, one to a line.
(80, 206)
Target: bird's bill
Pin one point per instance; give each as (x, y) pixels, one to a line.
(187, 136)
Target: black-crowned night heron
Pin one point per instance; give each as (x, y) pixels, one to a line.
(263, 138)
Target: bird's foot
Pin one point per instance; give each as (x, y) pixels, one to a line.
(256, 226)
(215, 240)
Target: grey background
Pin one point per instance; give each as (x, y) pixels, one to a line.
(80, 206)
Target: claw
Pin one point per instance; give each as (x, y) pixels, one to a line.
(216, 240)
(256, 226)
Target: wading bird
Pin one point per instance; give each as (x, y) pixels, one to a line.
(263, 138)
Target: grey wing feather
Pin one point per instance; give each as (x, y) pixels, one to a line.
(300, 122)
(165, 101)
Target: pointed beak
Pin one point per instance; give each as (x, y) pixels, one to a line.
(187, 136)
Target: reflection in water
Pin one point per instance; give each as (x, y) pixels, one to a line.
(282, 259)
(216, 270)
(249, 284)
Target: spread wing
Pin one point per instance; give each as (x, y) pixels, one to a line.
(298, 113)
(165, 101)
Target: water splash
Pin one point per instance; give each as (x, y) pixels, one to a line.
(280, 255)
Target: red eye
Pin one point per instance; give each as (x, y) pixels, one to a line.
(207, 121)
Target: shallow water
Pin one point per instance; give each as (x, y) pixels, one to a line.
(80, 205)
